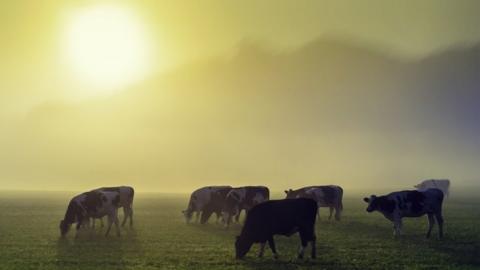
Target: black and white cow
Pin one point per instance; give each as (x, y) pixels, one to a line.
(243, 198)
(92, 204)
(278, 217)
(126, 202)
(326, 196)
(206, 201)
(442, 184)
(409, 203)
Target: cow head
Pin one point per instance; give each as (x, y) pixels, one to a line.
(372, 203)
(228, 213)
(231, 208)
(242, 246)
(64, 227)
(187, 214)
(289, 193)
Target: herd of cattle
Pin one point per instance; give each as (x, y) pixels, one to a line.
(264, 217)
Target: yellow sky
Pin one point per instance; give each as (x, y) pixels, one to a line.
(57, 130)
(32, 32)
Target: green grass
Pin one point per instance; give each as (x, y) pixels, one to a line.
(29, 239)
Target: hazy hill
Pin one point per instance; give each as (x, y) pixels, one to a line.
(326, 112)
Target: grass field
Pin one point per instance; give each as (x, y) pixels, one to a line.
(29, 239)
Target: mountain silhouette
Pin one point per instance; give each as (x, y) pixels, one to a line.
(327, 110)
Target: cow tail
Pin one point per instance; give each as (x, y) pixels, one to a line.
(448, 189)
(132, 194)
(341, 198)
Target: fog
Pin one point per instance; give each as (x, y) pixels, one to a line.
(365, 94)
(328, 112)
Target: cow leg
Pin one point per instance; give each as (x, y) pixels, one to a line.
(301, 250)
(82, 223)
(78, 227)
(126, 214)
(439, 218)
(337, 213)
(109, 225)
(271, 244)
(101, 223)
(227, 218)
(400, 227)
(431, 222)
(237, 217)
(131, 216)
(197, 216)
(397, 225)
(218, 217)
(115, 220)
(314, 247)
(304, 237)
(262, 249)
(331, 213)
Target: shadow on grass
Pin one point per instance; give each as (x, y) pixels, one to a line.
(461, 251)
(287, 247)
(347, 244)
(218, 229)
(91, 249)
(453, 250)
(289, 261)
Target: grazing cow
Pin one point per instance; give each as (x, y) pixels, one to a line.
(325, 196)
(409, 203)
(92, 204)
(278, 217)
(442, 184)
(205, 201)
(243, 198)
(126, 202)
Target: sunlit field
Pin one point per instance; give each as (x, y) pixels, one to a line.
(160, 239)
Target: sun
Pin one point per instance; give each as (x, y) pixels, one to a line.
(106, 47)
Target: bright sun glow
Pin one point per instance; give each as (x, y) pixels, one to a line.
(107, 47)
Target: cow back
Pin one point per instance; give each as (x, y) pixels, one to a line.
(279, 217)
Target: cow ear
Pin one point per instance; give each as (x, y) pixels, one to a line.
(366, 199)
(286, 191)
(290, 190)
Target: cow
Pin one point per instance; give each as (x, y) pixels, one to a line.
(243, 198)
(278, 217)
(205, 201)
(126, 202)
(409, 203)
(92, 204)
(442, 184)
(326, 196)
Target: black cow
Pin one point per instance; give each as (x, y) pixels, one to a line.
(409, 203)
(278, 217)
(206, 201)
(92, 204)
(326, 196)
(243, 198)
